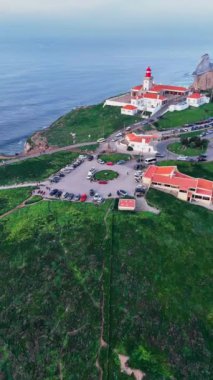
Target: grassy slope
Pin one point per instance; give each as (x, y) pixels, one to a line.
(178, 148)
(157, 287)
(35, 169)
(191, 115)
(95, 121)
(202, 170)
(9, 199)
(50, 278)
(161, 290)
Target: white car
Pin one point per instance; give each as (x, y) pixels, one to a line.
(97, 197)
(182, 158)
(102, 139)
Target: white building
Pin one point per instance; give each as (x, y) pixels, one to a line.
(142, 143)
(129, 109)
(197, 100)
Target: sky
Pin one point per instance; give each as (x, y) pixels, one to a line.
(135, 18)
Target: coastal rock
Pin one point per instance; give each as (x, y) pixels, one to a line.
(203, 74)
(36, 144)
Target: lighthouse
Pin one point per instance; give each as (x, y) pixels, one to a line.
(148, 80)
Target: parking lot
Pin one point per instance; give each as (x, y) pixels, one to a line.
(76, 181)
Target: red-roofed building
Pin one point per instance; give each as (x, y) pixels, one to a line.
(129, 109)
(149, 97)
(184, 187)
(196, 99)
(141, 143)
(126, 204)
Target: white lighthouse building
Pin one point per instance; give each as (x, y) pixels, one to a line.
(148, 80)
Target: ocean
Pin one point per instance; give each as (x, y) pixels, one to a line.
(40, 80)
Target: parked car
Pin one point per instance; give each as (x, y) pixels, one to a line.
(90, 157)
(77, 197)
(128, 128)
(70, 196)
(121, 162)
(122, 193)
(200, 159)
(92, 192)
(182, 158)
(160, 155)
(97, 197)
(83, 198)
(53, 192)
(102, 139)
(110, 163)
(100, 161)
(102, 182)
(138, 167)
(58, 194)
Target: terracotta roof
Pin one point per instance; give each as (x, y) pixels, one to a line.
(137, 88)
(204, 192)
(127, 203)
(205, 184)
(159, 170)
(139, 138)
(129, 107)
(165, 87)
(182, 183)
(168, 175)
(149, 95)
(196, 95)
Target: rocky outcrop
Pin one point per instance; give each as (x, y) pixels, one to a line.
(203, 74)
(37, 143)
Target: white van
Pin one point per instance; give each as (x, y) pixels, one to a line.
(102, 139)
(150, 161)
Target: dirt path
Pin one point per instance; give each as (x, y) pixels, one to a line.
(21, 205)
(102, 343)
(138, 374)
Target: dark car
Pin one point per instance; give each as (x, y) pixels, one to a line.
(140, 191)
(58, 194)
(53, 192)
(92, 192)
(200, 158)
(140, 160)
(61, 175)
(138, 167)
(90, 157)
(70, 196)
(122, 193)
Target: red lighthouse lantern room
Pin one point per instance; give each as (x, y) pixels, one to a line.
(148, 72)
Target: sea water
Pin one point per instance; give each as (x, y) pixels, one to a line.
(40, 80)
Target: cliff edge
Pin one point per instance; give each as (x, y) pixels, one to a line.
(203, 74)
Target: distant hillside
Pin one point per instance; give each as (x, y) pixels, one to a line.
(204, 74)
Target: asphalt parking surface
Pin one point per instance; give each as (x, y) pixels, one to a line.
(76, 182)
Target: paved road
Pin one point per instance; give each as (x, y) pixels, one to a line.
(52, 150)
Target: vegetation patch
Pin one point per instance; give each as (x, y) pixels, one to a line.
(188, 116)
(189, 146)
(87, 124)
(107, 175)
(114, 157)
(88, 148)
(152, 272)
(34, 199)
(160, 314)
(11, 198)
(35, 169)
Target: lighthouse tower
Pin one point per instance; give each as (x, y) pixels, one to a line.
(148, 80)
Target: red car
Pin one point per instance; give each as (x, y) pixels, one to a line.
(102, 182)
(83, 198)
(109, 163)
